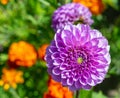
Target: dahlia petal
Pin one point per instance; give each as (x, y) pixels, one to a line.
(70, 81)
(95, 49)
(48, 57)
(78, 84)
(49, 70)
(103, 43)
(66, 32)
(63, 55)
(72, 88)
(64, 82)
(77, 34)
(53, 49)
(86, 74)
(94, 42)
(95, 34)
(82, 80)
(99, 50)
(106, 68)
(50, 63)
(52, 43)
(87, 87)
(58, 36)
(108, 47)
(100, 70)
(62, 50)
(99, 81)
(59, 44)
(63, 76)
(58, 61)
(83, 39)
(91, 82)
(86, 38)
(55, 55)
(88, 44)
(94, 62)
(93, 69)
(101, 58)
(76, 77)
(68, 42)
(47, 50)
(103, 52)
(67, 37)
(100, 66)
(56, 78)
(56, 70)
(63, 66)
(108, 58)
(101, 76)
(93, 76)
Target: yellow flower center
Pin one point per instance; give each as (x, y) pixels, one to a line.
(81, 20)
(79, 60)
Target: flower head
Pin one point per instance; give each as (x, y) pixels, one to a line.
(10, 78)
(72, 13)
(78, 57)
(42, 51)
(56, 90)
(95, 6)
(22, 54)
(4, 2)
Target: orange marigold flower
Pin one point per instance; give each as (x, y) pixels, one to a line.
(22, 54)
(56, 90)
(42, 51)
(4, 2)
(10, 78)
(95, 6)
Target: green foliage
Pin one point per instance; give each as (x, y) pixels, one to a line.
(91, 94)
(85, 94)
(98, 95)
(112, 3)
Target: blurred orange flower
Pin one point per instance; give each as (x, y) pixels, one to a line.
(56, 90)
(4, 2)
(10, 78)
(22, 54)
(95, 6)
(42, 51)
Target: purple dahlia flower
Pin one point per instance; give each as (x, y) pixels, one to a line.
(71, 13)
(78, 57)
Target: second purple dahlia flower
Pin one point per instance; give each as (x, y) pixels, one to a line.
(71, 13)
(78, 57)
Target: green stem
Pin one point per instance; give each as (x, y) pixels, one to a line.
(14, 93)
(77, 94)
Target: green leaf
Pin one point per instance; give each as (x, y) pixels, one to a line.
(14, 93)
(85, 94)
(112, 3)
(98, 95)
(3, 94)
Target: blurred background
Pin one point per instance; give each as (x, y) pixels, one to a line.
(25, 33)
